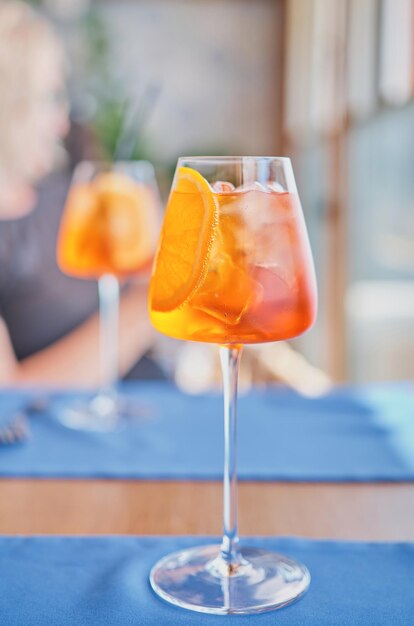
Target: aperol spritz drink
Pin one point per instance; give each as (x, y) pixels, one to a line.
(248, 278)
(233, 267)
(109, 232)
(110, 224)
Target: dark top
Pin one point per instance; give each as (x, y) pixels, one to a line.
(38, 303)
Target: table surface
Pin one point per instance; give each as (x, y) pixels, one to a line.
(92, 507)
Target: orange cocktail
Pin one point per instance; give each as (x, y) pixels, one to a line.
(233, 266)
(109, 233)
(110, 226)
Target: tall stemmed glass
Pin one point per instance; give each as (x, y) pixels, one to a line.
(233, 267)
(109, 231)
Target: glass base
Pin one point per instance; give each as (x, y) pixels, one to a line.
(103, 412)
(100, 414)
(197, 579)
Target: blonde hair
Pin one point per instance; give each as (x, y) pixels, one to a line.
(31, 57)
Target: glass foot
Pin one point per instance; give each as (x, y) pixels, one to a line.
(103, 413)
(100, 414)
(195, 579)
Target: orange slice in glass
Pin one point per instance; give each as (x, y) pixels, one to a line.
(187, 235)
(81, 246)
(228, 289)
(130, 212)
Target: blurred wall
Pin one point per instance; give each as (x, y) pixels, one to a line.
(349, 125)
(215, 66)
(380, 298)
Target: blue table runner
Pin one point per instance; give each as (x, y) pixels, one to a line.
(72, 581)
(352, 434)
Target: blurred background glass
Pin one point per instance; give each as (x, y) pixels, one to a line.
(328, 82)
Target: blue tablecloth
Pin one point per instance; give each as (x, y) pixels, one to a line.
(351, 434)
(103, 581)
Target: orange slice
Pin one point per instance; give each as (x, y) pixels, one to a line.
(186, 238)
(228, 289)
(80, 246)
(132, 224)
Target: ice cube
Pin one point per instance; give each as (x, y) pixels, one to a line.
(275, 248)
(273, 186)
(223, 186)
(266, 186)
(246, 187)
(258, 210)
(228, 292)
(279, 282)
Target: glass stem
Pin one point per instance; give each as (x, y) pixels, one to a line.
(230, 358)
(108, 286)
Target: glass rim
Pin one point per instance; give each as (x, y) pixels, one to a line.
(109, 162)
(102, 165)
(234, 158)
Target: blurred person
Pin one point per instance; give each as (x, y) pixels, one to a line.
(49, 328)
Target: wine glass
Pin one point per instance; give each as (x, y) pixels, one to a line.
(108, 232)
(233, 267)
